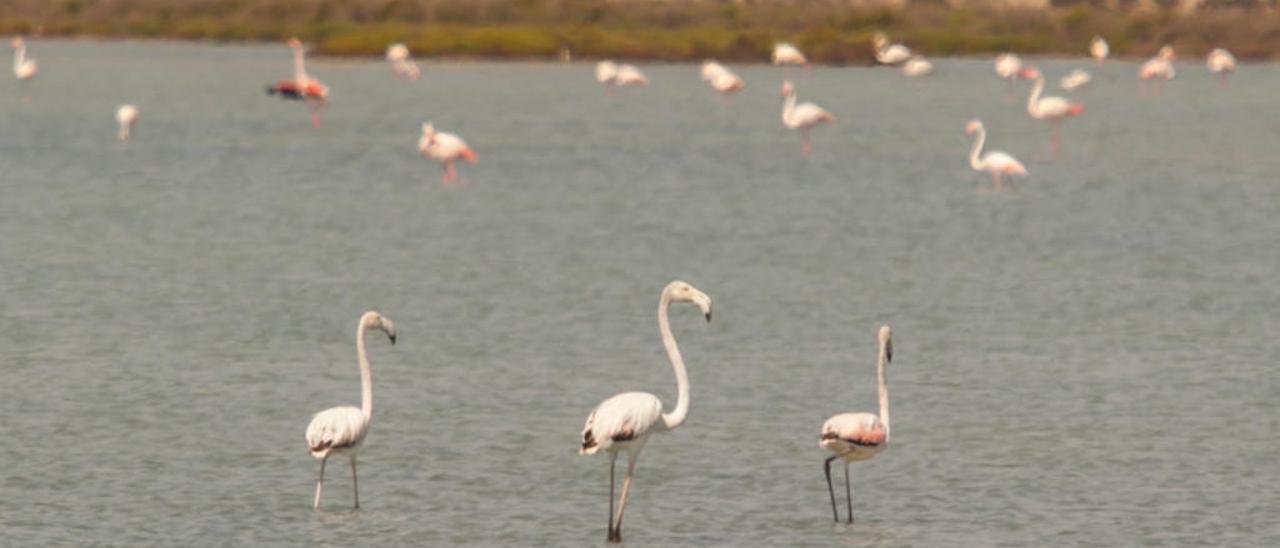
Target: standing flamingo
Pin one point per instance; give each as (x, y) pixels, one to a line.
(402, 64)
(995, 162)
(1052, 109)
(1076, 79)
(341, 430)
(1221, 62)
(445, 148)
(889, 54)
(1160, 66)
(858, 436)
(786, 53)
(1008, 66)
(917, 66)
(1099, 50)
(303, 86)
(24, 69)
(126, 115)
(801, 117)
(625, 421)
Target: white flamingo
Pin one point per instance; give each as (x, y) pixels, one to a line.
(858, 436)
(801, 117)
(606, 72)
(1051, 109)
(917, 66)
(625, 421)
(786, 53)
(401, 62)
(712, 69)
(1221, 62)
(24, 69)
(1076, 79)
(889, 54)
(995, 162)
(721, 78)
(1008, 66)
(1160, 66)
(630, 75)
(446, 148)
(126, 115)
(1098, 49)
(341, 430)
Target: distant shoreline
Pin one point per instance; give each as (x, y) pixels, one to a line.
(540, 29)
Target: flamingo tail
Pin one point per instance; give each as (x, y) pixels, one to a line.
(470, 155)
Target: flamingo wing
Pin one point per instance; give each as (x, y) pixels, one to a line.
(335, 428)
(858, 429)
(1002, 162)
(624, 417)
(808, 114)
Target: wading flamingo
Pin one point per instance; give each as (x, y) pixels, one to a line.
(446, 148)
(341, 430)
(625, 421)
(126, 115)
(1160, 66)
(303, 86)
(630, 75)
(917, 66)
(401, 62)
(1052, 109)
(1008, 66)
(1076, 79)
(889, 54)
(1222, 63)
(995, 162)
(1099, 50)
(785, 53)
(720, 78)
(858, 436)
(801, 117)
(24, 69)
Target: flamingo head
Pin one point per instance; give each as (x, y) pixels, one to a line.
(16, 42)
(1167, 53)
(374, 320)
(682, 292)
(787, 89)
(885, 336)
(294, 42)
(973, 126)
(1029, 73)
(428, 128)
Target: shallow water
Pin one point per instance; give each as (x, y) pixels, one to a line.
(1087, 359)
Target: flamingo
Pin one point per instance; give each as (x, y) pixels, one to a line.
(917, 66)
(303, 86)
(126, 115)
(1076, 79)
(625, 421)
(1008, 66)
(1098, 49)
(445, 148)
(889, 54)
(1221, 61)
(1160, 66)
(786, 53)
(341, 430)
(801, 117)
(1052, 109)
(858, 436)
(24, 69)
(995, 162)
(721, 78)
(630, 75)
(401, 63)
(711, 69)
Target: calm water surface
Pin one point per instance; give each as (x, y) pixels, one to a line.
(1086, 360)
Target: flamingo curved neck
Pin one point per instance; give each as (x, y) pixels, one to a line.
(788, 110)
(19, 56)
(884, 390)
(299, 68)
(366, 377)
(677, 416)
(974, 161)
(1034, 100)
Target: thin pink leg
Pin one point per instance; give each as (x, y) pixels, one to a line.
(804, 142)
(622, 501)
(315, 116)
(995, 178)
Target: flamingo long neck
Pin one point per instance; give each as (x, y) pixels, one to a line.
(299, 69)
(977, 149)
(19, 56)
(884, 390)
(366, 377)
(788, 109)
(1034, 100)
(677, 416)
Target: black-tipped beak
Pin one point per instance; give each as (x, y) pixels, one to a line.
(393, 339)
(708, 315)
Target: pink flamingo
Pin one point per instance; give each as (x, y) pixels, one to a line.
(1052, 109)
(995, 162)
(1221, 61)
(303, 86)
(801, 117)
(858, 436)
(445, 148)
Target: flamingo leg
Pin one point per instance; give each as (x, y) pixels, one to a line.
(804, 142)
(848, 492)
(1057, 138)
(613, 459)
(995, 176)
(826, 467)
(453, 171)
(355, 485)
(622, 501)
(315, 115)
(319, 485)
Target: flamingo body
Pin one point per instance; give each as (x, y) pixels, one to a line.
(1076, 79)
(445, 148)
(401, 63)
(126, 115)
(606, 71)
(889, 54)
(1160, 66)
(917, 66)
(726, 82)
(621, 422)
(785, 53)
(1220, 61)
(630, 75)
(1098, 49)
(1008, 66)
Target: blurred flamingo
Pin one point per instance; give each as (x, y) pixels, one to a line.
(446, 148)
(1051, 109)
(801, 117)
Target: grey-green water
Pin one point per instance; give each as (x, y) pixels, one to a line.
(1087, 360)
